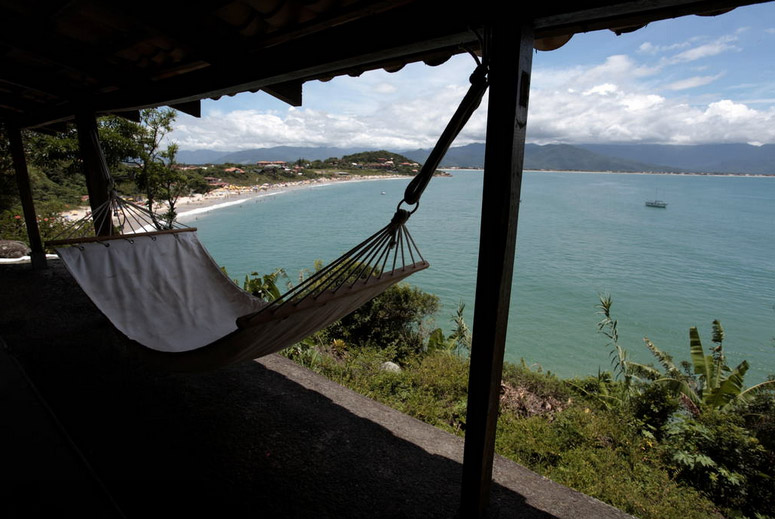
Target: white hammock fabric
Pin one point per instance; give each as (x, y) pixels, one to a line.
(165, 292)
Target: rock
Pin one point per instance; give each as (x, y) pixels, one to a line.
(525, 403)
(391, 367)
(13, 249)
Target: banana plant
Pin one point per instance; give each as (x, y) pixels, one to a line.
(676, 380)
(714, 384)
(717, 384)
(264, 287)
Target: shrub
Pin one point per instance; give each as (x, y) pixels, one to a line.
(654, 407)
(601, 454)
(715, 454)
(394, 320)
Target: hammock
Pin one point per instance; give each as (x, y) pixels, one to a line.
(163, 291)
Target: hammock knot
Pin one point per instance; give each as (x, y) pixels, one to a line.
(400, 218)
(479, 75)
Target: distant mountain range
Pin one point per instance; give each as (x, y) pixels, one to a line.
(709, 158)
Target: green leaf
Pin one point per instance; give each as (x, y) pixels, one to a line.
(718, 332)
(437, 341)
(665, 359)
(753, 390)
(700, 361)
(730, 388)
(643, 371)
(680, 386)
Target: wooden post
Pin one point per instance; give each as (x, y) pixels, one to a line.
(95, 167)
(510, 55)
(38, 255)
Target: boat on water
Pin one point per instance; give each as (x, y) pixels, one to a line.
(656, 202)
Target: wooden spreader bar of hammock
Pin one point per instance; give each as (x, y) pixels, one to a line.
(128, 236)
(124, 218)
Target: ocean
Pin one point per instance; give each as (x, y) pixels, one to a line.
(708, 255)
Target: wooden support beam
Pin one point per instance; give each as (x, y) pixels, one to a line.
(95, 167)
(38, 255)
(192, 108)
(129, 115)
(286, 92)
(510, 51)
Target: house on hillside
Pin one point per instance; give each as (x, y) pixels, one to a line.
(271, 164)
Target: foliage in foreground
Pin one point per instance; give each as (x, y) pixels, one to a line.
(635, 443)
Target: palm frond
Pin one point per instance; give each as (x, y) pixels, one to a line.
(664, 359)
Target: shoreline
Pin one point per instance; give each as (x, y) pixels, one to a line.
(191, 206)
(221, 198)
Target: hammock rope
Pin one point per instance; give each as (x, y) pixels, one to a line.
(369, 259)
(125, 218)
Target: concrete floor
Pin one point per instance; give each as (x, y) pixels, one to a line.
(88, 429)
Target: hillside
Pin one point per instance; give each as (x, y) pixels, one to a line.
(717, 158)
(286, 153)
(561, 157)
(711, 158)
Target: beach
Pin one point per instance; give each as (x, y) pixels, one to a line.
(190, 206)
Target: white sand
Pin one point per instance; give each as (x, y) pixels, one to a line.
(191, 206)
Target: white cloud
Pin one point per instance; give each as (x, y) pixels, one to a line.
(628, 116)
(692, 82)
(647, 48)
(606, 89)
(385, 88)
(721, 45)
(620, 100)
(652, 49)
(402, 124)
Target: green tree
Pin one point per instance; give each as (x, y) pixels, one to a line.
(9, 196)
(394, 320)
(156, 175)
(264, 287)
(54, 161)
(59, 156)
(459, 341)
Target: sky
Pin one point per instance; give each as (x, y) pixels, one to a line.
(692, 80)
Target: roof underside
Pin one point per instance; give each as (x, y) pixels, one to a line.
(59, 57)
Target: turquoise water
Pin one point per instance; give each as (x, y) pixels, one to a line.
(709, 255)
